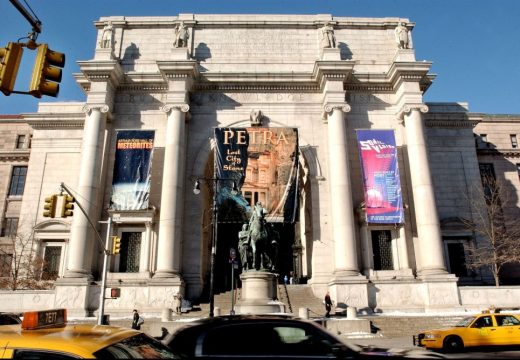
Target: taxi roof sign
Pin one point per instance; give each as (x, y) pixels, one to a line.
(34, 320)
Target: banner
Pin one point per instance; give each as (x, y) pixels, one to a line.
(132, 170)
(264, 164)
(383, 198)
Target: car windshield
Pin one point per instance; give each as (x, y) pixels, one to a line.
(465, 322)
(136, 347)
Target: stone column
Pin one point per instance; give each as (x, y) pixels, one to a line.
(402, 249)
(81, 237)
(342, 210)
(427, 220)
(169, 244)
(144, 263)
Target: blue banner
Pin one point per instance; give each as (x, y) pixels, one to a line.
(132, 170)
(383, 197)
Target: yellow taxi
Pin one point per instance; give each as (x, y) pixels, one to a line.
(486, 329)
(46, 335)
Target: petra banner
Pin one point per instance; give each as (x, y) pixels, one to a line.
(383, 198)
(263, 162)
(132, 170)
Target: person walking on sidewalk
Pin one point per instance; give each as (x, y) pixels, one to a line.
(328, 304)
(135, 321)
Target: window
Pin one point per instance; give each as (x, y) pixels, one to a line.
(487, 176)
(20, 142)
(484, 321)
(514, 142)
(51, 262)
(130, 252)
(382, 249)
(506, 320)
(10, 226)
(6, 261)
(18, 180)
(518, 169)
(456, 257)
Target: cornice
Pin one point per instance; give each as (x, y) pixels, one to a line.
(453, 123)
(55, 120)
(15, 155)
(507, 153)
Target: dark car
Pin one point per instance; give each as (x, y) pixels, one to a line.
(9, 318)
(262, 337)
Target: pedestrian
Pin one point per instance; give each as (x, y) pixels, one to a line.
(135, 322)
(285, 279)
(328, 304)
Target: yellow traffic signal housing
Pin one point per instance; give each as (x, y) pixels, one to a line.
(46, 72)
(10, 58)
(50, 206)
(116, 245)
(68, 206)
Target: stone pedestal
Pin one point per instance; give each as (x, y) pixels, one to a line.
(259, 294)
(330, 54)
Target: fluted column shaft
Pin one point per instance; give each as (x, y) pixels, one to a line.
(81, 236)
(169, 243)
(343, 224)
(427, 219)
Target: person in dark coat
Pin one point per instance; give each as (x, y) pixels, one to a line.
(328, 304)
(135, 321)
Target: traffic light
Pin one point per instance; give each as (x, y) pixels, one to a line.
(10, 58)
(46, 72)
(50, 206)
(116, 245)
(68, 206)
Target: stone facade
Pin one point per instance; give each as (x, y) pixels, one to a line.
(278, 66)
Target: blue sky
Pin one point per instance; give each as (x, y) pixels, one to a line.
(474, 44)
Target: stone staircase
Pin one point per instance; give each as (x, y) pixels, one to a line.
(301, 296)
(394, 326)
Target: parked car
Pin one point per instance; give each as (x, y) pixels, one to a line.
(46, 335)
(486, 329)
(264, 337)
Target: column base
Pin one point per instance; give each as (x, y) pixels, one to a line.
(77, 274)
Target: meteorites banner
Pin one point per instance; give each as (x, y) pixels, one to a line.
(383, 198)
(264, 164)
(132, 170)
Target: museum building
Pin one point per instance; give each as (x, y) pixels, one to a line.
(165, 84)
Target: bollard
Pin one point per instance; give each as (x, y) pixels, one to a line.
(351, 312)
(166, 314)
(216, 311)
(303, 312)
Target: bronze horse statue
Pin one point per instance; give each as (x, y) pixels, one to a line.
(259, 239)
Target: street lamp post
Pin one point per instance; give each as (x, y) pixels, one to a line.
(196, 191)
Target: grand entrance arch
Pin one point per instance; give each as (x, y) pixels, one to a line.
(293, 247)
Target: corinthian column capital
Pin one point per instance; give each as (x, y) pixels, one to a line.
(181, 107)
(103, 108)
